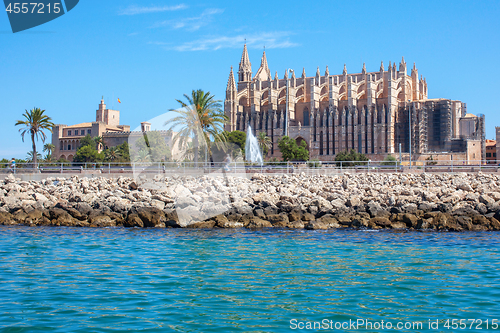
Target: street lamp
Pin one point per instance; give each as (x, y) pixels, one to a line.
(286, 106)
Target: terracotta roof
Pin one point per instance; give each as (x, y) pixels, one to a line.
(490, 143)
(80, 125)
(470, 115)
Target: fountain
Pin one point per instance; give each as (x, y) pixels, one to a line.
(252, 150)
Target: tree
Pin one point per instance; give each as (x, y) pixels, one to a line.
(124, 152)
(88, 141)
(111, 154)
(48, 148)
(390, 160)
(88, 154)
(239, 138)
(290, 151)
(351, 158)
(35, 123)
(235, 142)
(98, 142)
(264, 143)
(154, 145)
(29, 157)
(200, 118)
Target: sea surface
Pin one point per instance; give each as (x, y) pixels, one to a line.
(172, 280)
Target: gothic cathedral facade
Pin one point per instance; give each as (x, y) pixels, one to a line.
(370, 112)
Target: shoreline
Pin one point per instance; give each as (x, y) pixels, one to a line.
(456, 202)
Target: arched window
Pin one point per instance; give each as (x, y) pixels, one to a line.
(321, 143)
(305, 117)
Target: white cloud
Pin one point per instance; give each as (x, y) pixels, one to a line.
(191, 23)
(134, 10)
(271, 40)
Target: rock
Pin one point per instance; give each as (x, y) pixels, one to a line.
(256, 223)
(380, 221)
(330, 221)
(202, 225)
(265, 199)
(308, 217)
(84, 208)
(485, 199)
(10, 179)
(410, 220)
(152, 217)
(398, 225)
(295, 215)
(494, 223)
(317, 225)
(344, 221)
(259, 213)
(133, 221)
(101, 221)
(278, 220)
(353, 201)
(376, 210)
(222, 222)
(133, 186)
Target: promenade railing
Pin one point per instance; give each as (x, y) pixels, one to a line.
(309, 167)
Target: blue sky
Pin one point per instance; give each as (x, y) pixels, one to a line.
(149, 53)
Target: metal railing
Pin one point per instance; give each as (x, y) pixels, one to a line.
(310, 167)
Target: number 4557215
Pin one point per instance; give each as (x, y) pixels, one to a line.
(33, 8)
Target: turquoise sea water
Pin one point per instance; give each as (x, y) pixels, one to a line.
(140, 280)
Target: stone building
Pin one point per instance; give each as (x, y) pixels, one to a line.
(491, 151)
(66, 139)
(371, 112)
(497, 131)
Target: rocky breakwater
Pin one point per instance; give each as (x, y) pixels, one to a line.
(454, 202)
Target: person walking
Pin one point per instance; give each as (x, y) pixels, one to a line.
(13, 165)
(228, 162)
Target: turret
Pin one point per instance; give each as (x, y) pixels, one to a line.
(263, 73)
(245, 70)
(402, 66)
(231, 84)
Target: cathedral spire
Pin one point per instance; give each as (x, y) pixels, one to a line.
(303, 72)
(345, 70)
(286, 74)
(402, 65)
(245, 70)
(327, 72)
(276, 76)
(363, 70)
(231, 83)
(318, 72)
(263, 73)
(381, 66)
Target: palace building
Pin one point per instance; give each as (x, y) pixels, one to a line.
(374, 113)
(66, 139)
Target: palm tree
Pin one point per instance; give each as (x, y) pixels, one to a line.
(35, 123)
(29, 156)
(48, 148)
(200, 118)
(98, 142)
(264, 143)
(112, 154)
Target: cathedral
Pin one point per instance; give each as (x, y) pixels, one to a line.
(374, 113)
